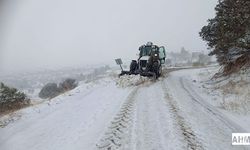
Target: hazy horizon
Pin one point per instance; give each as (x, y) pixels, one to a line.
(52, 33)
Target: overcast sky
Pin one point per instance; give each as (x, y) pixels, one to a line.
(58, 33)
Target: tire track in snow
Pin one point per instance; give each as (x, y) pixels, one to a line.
(192, 140)
(197, 99)
(153, 127)
(119, 130)
(142, 123)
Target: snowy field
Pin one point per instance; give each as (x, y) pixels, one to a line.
(31, 82)
(184, 109)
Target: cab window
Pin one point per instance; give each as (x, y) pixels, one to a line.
(162, 52)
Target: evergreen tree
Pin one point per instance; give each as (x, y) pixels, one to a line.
(11, 95)
(228, 34)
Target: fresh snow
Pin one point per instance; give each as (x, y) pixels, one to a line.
(71, 121)
(178, 111)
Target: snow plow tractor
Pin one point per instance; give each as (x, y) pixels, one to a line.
(149, 63)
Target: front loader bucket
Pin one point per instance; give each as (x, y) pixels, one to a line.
(128, 73)
(148, 74)
(124, 73)
(142, 73)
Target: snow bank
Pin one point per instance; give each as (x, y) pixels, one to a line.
(73, 120)
(5, 120)
(233, 92)
(38, 104)
(229, 95)
(130, 80)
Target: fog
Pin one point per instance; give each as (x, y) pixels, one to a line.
(62, 33)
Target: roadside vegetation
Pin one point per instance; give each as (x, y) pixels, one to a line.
(52, 90)
(11, 99)
(228, 35)
(228, 38)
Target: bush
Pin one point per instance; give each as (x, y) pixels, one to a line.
(67, 85)
(51, 90)
(198, 64)
(11, 98)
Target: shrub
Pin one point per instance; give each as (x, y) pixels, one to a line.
(67, 85)
(51, 90)
(11, 98)
(198, 64)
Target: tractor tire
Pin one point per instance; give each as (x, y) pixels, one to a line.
(160, 71)
(156, 69)
(133, 66)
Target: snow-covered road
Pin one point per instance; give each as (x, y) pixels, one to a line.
(170, 113)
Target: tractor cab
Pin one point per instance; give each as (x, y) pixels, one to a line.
(150, 50)
(146, 50)
(145, 53)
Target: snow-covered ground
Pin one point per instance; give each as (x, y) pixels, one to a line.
(181, 110)
(70, 121)
(231, 95)
(31, 82)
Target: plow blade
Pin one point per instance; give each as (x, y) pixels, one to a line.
(148, 74)
(127, 73)
(144, 74)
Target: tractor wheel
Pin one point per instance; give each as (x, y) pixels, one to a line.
(156, 69)
(160, 71)
(133, 66)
